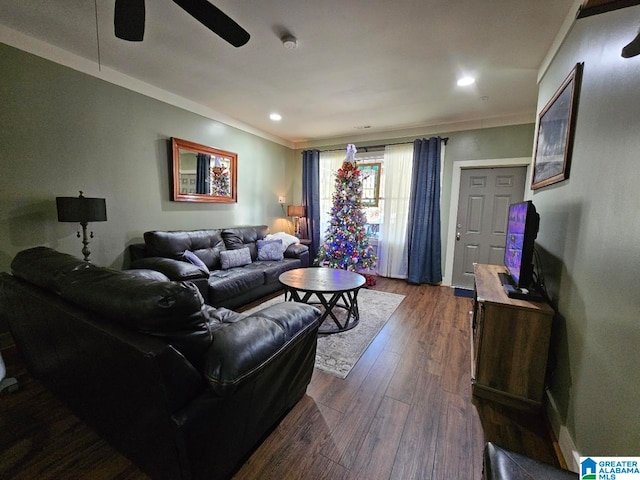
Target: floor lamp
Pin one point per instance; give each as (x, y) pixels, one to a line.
(83, 210)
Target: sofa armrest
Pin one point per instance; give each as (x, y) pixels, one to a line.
(176, 270)
(299, 251)
(295, 250)
(137, 251)
(502, 464)
(242, 348)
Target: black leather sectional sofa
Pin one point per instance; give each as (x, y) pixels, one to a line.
(164, 251)
(183, 389)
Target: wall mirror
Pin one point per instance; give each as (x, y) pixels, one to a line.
(203, 174)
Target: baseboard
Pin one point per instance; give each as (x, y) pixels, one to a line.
(566, 445)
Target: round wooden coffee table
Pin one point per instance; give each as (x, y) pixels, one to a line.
(334, 288)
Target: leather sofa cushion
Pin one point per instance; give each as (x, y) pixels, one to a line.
(172, 244)
(224, 284)
(205, 244)
(148, 273)
(139, 302)
(173, 311)
(173, 269)
(272, 270)
(236, 238)
(46, 267)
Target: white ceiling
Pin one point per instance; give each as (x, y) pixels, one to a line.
(387, 65)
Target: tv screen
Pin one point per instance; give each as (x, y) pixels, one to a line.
(522, 228)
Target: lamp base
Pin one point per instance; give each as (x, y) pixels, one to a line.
(85, 241)
(296, 226)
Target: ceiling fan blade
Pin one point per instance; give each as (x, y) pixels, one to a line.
(215, 20)
(128, 20)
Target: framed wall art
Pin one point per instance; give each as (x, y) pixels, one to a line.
(556, 124)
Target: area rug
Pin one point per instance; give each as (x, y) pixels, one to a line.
(338, 353)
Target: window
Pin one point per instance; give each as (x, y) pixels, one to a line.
(372, 166)
(386, 221)
(370, 175)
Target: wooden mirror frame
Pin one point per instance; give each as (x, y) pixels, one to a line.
(230, 163)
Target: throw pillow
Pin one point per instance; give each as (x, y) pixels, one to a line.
(285, 237)
(270, 250)
(235, 258)
(192, 258)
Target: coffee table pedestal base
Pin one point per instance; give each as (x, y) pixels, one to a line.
(347, 301)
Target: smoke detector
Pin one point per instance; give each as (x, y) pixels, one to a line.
(290, 42)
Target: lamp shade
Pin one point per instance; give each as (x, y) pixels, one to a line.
(296, 211)
(81, 209)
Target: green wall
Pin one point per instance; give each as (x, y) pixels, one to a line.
(589, 233)
(62, 131)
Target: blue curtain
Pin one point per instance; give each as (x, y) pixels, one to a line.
(311, 199)
(202, 173)
(424, 245)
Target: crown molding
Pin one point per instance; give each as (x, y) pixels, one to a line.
(418, 131)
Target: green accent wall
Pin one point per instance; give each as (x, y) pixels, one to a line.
(588, 238)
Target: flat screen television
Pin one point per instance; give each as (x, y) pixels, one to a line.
(522, 229)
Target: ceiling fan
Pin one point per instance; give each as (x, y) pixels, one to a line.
(129, 18)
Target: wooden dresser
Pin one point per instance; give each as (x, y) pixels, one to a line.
(509, 343)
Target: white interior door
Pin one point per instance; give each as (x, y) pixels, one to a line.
(481, 221)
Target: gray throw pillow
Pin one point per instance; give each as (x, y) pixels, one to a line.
(270, 250)
(235, 258)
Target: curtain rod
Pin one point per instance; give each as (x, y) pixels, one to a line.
(377, 147)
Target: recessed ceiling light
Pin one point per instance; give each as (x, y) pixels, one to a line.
(276, 117)
(466, 81)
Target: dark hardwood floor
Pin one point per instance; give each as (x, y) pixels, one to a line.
(404, 412)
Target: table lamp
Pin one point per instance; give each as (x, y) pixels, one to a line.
(83, 210)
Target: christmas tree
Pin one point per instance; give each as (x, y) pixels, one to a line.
(219, 179)
(346, 241)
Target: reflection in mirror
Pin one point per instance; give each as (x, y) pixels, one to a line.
(203, 174)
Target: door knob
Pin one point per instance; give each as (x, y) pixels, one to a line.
(458, 236)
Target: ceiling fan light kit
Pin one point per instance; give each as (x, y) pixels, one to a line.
(129, 18)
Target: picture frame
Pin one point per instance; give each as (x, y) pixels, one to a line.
(556, 125)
